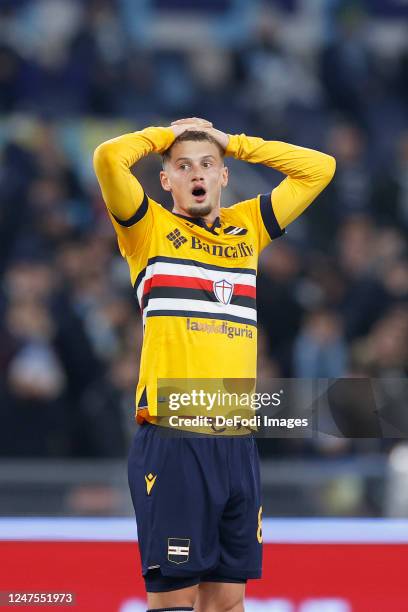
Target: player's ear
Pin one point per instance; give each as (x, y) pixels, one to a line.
(224, 176)
(165, 182)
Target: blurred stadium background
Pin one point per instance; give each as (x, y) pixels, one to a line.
(333, 295)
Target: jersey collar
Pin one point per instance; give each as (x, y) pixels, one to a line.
(201, 223)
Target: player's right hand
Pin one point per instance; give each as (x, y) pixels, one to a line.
(191, 123)
(197, 120)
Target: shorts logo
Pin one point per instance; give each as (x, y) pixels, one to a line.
(259, 530)
(178, 550)
(150, 480)
(177, 238)
(223, 291)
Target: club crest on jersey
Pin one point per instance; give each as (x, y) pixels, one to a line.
(223, 291)
(235, 231)
(178, 550)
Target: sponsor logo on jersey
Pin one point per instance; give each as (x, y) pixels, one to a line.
(219, 250)
(150, 480)
(223, 291)
(177, 238)
(231, 331)
(232, 230)
(178, 550)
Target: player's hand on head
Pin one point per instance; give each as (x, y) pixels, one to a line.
(219, 136)
(195, 123)
(192, 123)
(193, 120)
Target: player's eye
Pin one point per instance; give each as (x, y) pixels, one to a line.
(206, 164)
(184, 166)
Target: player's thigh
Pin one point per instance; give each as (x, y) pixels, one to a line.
(240, 526)
(220, 597)
(172, 599)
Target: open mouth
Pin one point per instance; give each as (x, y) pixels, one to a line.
(199, 194)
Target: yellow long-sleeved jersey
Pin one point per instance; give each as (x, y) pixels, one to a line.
(196, 285)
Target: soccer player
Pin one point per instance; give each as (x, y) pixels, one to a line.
(197, 499)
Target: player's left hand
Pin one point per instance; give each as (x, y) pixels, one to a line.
(219, 136)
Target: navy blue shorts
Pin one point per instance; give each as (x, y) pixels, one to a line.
(198, 507)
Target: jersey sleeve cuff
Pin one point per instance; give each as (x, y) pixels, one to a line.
(232, 149)
(160, 137)
(268, 217)
(139, 214)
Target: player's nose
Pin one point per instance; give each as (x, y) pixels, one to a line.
(197, 172)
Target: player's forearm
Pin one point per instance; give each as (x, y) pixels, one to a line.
(309, 172)
(113, 160)
(295, 161)
(126, 150)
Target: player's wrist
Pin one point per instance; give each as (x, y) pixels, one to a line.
(232, 148)
(221, 137)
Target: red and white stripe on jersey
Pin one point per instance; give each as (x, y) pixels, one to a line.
(179, 287)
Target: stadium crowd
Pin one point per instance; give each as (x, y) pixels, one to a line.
(332, 294)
